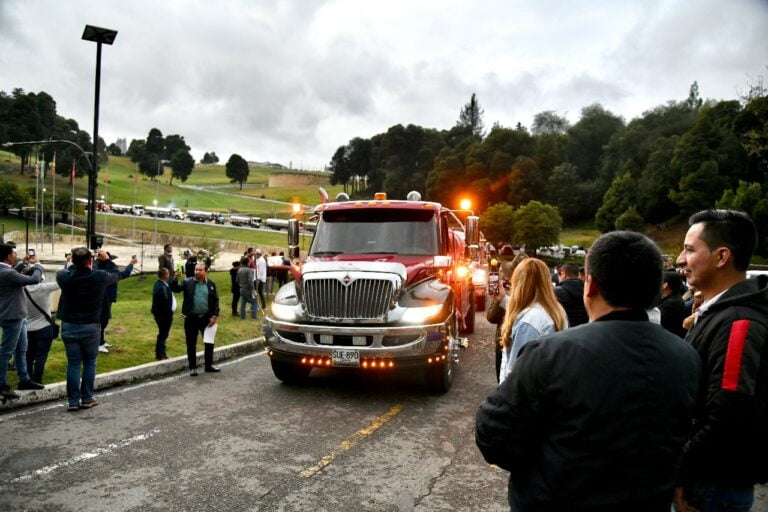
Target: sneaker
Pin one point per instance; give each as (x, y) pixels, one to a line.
(89, 403)
(29, 385)
(103, 349)
(7, 392)
(73, 408)
(193, 372)
(108, 345)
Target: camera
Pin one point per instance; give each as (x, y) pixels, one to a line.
(31, 253)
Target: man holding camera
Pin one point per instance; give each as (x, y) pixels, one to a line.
(13, 318)
(82, 298)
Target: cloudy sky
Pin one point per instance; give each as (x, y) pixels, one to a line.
(289, 81)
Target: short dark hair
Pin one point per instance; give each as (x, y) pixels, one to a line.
(81, 256)
(730, 228)
(674, 281)
(162, 272)
(570, 269)
(627, 269)
(5, 251)
(166, 246)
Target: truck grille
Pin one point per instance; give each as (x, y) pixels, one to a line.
(362, 299)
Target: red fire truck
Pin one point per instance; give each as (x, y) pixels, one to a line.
(386, 285)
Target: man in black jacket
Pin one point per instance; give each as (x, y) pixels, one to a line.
(672, 306)
(163, 307)
(727, 452)
(569, 293)
(200, 309)
(594, 417)
(83, 289)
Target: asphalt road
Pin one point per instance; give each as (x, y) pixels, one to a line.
(241, 440)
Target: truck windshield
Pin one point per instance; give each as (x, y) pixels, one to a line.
(376, 231)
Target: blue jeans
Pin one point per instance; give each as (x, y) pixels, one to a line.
(14, 342)
(39, 344)
(248, 298)
(709, 497)
(81, 343)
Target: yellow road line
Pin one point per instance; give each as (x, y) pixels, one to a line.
(350, 443)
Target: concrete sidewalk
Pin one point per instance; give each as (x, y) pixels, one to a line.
(58, 390)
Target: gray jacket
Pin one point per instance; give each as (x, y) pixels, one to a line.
(13, 304)
(245, 278)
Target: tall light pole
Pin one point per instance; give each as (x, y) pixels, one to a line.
(99, 36)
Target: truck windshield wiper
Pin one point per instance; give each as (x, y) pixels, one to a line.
(327, 253)
(380, 252)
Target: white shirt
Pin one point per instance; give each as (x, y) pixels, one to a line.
(706, 305)
(261, 269)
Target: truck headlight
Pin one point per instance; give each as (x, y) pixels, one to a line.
(285, 305)
(418, 315)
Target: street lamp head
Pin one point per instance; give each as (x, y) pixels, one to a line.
(99, 35)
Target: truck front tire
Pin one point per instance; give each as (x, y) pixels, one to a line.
(290, 373)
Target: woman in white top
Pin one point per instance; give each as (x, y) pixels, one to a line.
(39, 330)
(532, 311)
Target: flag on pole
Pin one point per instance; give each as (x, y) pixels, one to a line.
(74, 174)
(106, 176)
(37, 170)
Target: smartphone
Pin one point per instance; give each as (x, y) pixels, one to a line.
(31, 253)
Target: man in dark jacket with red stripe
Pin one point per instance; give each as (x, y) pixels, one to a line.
(728, 450)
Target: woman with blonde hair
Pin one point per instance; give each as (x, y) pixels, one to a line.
(532, 311)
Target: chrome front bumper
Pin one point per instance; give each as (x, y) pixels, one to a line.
(392, 342)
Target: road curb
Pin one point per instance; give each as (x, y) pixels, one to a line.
(148, 371)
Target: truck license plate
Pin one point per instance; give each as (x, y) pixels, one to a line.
(346, 357)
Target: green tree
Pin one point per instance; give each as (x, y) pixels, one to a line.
(586, 139)
(630, 220)
(114, 150)
(12, 196)
(471, 116)
(537, 225)
(699, 189)
(182, 165)
(656, 181)
(745, 198)
(210, 158)
(570, 193)
(549, 122)
(620, 196)
(498, 223)
(174, 143)
(237, 169)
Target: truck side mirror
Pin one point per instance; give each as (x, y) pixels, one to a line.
(293, 238)
(473, 237)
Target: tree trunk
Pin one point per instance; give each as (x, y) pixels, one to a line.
(241, 185)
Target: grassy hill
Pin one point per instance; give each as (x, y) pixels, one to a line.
(207, 188)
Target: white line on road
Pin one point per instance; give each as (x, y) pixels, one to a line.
(122, 389)
(86, 456)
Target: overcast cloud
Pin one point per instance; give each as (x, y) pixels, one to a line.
(291, 80)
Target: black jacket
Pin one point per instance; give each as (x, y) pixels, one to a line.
(188, 287)
(570, 294)
(673, 312)
(593, 417)
(729, 442)
(162, 300)
(83, 292)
